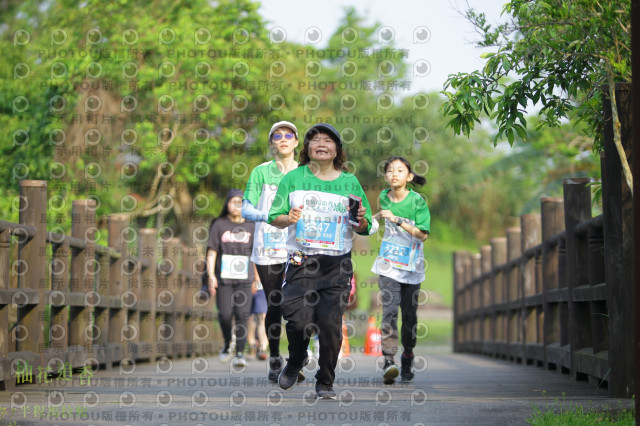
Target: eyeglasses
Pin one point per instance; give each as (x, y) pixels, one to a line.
(278, 136)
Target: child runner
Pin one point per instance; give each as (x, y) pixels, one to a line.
(400, 263)
(256, 324)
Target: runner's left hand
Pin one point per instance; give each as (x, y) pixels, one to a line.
(361, 212)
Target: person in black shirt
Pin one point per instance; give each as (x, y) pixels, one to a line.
(231, 273)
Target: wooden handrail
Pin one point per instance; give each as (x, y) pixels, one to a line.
(18, 229)
(106, 303)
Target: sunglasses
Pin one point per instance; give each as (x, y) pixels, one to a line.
(278, 136)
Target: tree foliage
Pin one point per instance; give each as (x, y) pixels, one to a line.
(552, 54)
(157, 108)
(126, 112)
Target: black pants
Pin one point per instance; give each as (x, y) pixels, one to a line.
(234, 299)
(316, 294)
(404, 296)
(271, 277)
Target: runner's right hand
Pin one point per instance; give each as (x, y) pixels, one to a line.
(386, 214)
(294, 214)
(213, 285)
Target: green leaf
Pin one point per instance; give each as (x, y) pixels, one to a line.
(506, 64)
(510, 137)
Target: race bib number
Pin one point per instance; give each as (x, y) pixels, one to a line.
(400, 250)
(322, 230)
(275, 240)
(234, 267)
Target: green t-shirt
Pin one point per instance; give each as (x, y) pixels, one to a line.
(323, 227)
(401, 255)
(269, 243)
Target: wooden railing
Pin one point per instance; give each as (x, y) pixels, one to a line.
(67, 301)
(557, 291)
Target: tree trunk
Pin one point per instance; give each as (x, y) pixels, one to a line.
(617, 139)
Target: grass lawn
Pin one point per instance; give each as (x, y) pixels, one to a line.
(577, 415)
(440, 332)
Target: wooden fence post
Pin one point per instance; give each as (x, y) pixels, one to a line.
(180, 313)
(59, 329)
(474, 272)
(577, 208)
(459, 307)
(617, 204)
(514, 298)
(167, 299)
(498, 259)
(180, 292)
(194, 329)
(5, 363)
(101, 312)
(599, 311)
(31, 268)
(131, 270)
(82, 281)
(552, 221)
(498, 276)
(147, 252)
(118, 231)
(486, 295)
(530, 233)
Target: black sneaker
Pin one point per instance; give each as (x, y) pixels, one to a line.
(406, 374)
(325, 391)
(389, 371)
(275, 368)
(288, 377)
(301, 375)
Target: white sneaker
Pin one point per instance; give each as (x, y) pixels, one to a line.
(225, 356)
(239, 361)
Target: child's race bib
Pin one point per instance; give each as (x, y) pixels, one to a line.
(399, 249)
(275, 240)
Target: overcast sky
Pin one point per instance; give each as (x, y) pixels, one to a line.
(430, 30)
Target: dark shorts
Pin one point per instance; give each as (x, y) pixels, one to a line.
(259, 303)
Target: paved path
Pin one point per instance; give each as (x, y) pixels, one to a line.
(451, 389)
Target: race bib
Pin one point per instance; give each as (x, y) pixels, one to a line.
(275, 240)
(323, 230)
(234, 267)
(400, 250)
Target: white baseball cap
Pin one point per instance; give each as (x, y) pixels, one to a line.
(283, 124)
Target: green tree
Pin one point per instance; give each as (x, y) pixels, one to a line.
(351, 82)
(189, 91)
(551, 53)
(200, 124)
(129, 102)
(475, 190)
